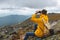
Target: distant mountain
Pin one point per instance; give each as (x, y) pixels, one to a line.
(12, 19)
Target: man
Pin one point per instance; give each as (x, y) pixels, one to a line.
(42, 21)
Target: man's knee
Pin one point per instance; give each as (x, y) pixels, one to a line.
(35, 25)
(27, 34)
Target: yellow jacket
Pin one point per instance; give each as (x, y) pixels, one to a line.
(41, 27)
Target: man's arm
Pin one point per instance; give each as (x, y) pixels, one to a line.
(47, 24)
(47, 28)
(34, 18)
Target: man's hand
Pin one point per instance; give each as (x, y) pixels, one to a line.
(38, 12)
(46, 32)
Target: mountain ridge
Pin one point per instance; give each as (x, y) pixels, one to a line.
(12, 19)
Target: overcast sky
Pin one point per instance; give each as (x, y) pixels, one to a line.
(27, 7)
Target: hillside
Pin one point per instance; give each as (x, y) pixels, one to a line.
(12, 19)
(27, 26)
(54, 16)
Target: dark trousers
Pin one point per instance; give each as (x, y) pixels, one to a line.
(30, 34)
(35, 27)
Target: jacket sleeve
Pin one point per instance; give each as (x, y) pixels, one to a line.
(34, 19)
(45, 21)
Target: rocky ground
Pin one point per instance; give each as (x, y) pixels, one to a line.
(7, 32)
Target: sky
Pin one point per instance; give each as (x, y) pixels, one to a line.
(27, 7)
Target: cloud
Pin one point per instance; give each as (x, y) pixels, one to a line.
(54, 8)
(27, 7)
(28, 3)
(21, 11)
